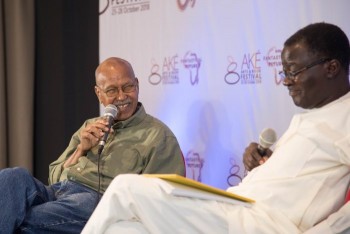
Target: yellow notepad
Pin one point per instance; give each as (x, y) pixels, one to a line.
(191, 188)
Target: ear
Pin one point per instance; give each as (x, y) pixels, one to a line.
(333, 68)
(137, 82)
(98, 94)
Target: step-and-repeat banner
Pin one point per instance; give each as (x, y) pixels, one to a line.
(209, 69)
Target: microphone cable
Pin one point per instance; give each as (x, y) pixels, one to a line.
(111, 112)
(99, 179)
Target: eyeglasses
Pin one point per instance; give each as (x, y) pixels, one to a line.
(292, 74)
(112, 92)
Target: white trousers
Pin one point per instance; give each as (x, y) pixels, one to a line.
(138, 204)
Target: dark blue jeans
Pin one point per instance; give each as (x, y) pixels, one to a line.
(28, 206)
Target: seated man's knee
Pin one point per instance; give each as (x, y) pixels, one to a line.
(133, 184)
(15, 173)
(124, 181)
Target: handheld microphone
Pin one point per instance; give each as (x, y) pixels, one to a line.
(267, 138)
(111, 111)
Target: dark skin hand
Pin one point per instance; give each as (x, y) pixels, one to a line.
(89, 137)
(251, 157)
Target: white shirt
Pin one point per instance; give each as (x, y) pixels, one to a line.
(308, 174)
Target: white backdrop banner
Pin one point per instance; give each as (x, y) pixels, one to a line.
(209, 69)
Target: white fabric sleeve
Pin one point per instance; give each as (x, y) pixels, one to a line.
(338, 222)
(343, 147)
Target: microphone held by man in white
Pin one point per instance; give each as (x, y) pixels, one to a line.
(266, 139)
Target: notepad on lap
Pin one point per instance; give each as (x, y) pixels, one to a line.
(182, 186)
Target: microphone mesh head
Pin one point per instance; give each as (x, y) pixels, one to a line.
(111, 110)
(267, 138)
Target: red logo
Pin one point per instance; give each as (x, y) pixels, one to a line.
(183, 5)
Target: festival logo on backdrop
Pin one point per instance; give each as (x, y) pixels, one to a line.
(273, 60)
(234, 178)
(192, 63)
(168, 71)
(194, 165)
(183, 4)
(247, 70)
(232, 75)
(122, 7)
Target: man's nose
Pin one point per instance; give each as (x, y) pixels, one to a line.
(121, 95)
(287, 81)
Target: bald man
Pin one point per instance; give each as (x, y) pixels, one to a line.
(137, 143)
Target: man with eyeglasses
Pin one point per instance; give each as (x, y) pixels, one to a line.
(137, 143)
(303, 181)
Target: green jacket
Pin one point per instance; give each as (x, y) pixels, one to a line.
(141, 144)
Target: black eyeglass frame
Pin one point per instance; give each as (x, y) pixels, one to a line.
(292, 74)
